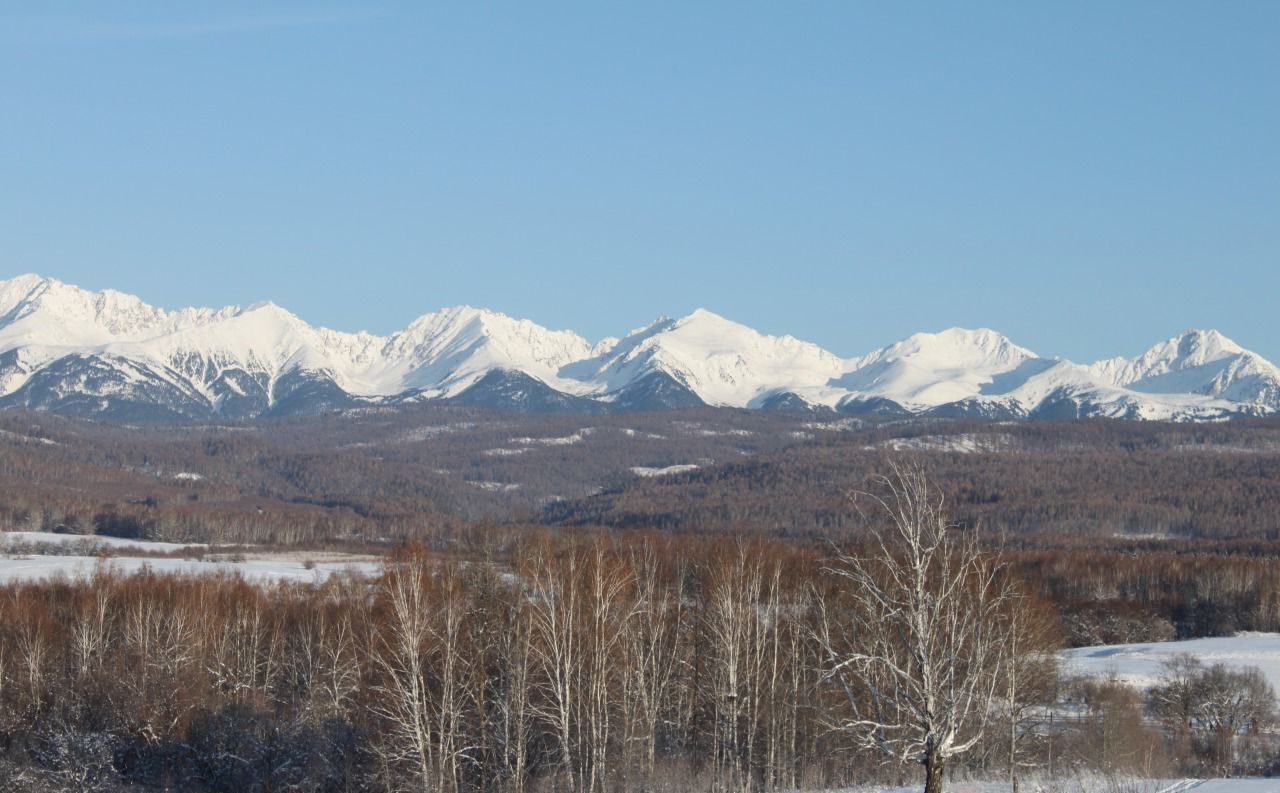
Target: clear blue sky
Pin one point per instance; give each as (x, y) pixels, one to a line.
(1088, 177)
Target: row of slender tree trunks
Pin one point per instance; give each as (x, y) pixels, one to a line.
(581, 664)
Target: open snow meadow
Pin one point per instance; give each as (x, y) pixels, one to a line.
(36, 568)
(1088, 785)
(25, 557)
(1140, 664)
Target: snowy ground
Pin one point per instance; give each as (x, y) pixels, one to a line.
(963, 444)
(645, 471)
(35, 568)
(1233, 786)
(1097, 786)
(1140, 664)
(77, 560)
(81, 541)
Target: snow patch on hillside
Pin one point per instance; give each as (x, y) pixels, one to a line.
(644, 471)
(565, 440)
(501, 452)
(967, 443)
(19, 438)
(496, 487)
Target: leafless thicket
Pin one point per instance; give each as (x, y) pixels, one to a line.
(586, 663)
(1207, 708)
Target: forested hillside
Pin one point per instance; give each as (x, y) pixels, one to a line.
(424, 471)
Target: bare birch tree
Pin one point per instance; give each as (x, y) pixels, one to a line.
(918, 649)
(652, 643)
(557, 651)
(1029, 677)
(404, 660)
(735, 648)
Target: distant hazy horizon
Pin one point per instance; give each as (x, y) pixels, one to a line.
(1086, 179)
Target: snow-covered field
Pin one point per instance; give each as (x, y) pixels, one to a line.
(78, 560)
(35, 568)
(86, 541)
(1140, 664)
(1231, 786)
(1096, 786)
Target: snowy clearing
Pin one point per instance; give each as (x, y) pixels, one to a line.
(1088, 785)
(566, 440)
(1140, 664)
(431, 431)
(630, 433)
(640, 470)
(76, 559)
(18, 438)
(963, 444)
(496, 487)
(842, 425)
(89, 541)
(1231, 786)
(506, 452)
(731, 433)
(37, 568)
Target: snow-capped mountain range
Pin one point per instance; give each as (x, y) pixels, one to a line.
(109, 354)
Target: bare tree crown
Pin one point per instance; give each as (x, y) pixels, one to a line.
(919, 648)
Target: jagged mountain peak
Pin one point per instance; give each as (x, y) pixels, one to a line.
(24, 288)
(448, 350)
(702, 315)
(492, 321)
(265, 306)
(1201, 362)
(1190, 349)
(110, 353)
(720, 361)
(115, 311)
(24, 281)
(933, 369)
(959, 347)
(604, 346)
(1193, 348)
(469, 325)
(711, 327)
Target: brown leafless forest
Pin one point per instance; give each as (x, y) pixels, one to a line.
(748, 625)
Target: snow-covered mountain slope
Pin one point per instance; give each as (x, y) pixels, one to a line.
(250, 361)
(932, 369)
(720, 362)
(447, 351)
(1197, 362)
(110, 354)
